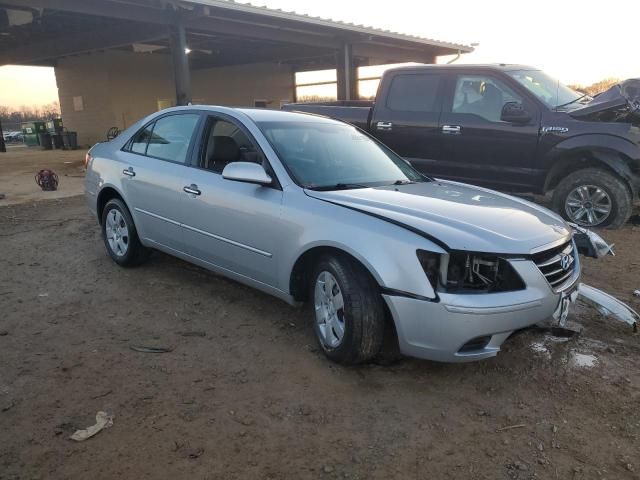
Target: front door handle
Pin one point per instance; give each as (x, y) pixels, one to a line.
(129, 172)
(192, 189)
(385, 126)
(451, 129)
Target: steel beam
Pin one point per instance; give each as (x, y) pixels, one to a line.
(347, 74)
(181, 72)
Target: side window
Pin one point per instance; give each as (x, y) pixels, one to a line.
(483, 96)
(227, 143)
(141, 139)
(171, 137)
(414, 93)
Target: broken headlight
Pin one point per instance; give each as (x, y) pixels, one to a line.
(431, 265)
(476, 272)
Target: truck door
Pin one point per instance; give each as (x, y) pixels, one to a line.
(479, 146)
(408, 114)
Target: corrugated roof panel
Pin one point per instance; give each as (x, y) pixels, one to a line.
(327, 22)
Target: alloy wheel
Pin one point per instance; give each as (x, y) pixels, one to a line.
(329, 310)
(588, 205)
(117, 232)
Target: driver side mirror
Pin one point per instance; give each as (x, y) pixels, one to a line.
(514, 112)
(246, 172)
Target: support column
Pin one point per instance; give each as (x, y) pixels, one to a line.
(181, 72)
(3, 147)
(347, 74)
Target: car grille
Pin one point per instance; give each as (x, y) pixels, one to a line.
(550, 263)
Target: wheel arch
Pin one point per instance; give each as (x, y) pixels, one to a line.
(108, 192)
(300, 275)
(568, 158)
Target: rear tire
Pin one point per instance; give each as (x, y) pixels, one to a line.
(120, 235)
(349, 316)
(593, 197)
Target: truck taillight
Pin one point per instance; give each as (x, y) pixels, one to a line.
(87, 159)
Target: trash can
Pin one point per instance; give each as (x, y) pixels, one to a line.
(70, 140)
(56, 140)
(55, 129)
(30, 134)
(45, 141)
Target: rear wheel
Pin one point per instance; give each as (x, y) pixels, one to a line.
(349, 314)
(593, 197)
(120, 235)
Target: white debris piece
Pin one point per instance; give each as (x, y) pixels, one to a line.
(103, 420)
(583, 360)
(608, 305)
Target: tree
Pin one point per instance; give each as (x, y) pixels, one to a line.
(597, 87)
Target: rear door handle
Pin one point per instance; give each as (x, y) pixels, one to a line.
(129, 172)
(451, 129)
(384, 126)
(192, 189)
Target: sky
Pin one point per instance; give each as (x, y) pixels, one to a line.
(576, 41)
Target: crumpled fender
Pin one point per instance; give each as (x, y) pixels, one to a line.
(608, 149)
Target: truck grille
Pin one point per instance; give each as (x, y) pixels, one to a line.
(557, 264)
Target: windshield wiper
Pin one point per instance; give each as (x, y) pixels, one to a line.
(338, 186)
(572, 101)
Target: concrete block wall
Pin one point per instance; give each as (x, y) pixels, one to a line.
(118, 88)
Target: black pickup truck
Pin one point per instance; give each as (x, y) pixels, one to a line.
(511, 128)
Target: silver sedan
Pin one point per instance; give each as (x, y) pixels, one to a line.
(310, 209)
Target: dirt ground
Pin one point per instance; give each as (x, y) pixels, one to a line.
(19, 165)
(245, 393)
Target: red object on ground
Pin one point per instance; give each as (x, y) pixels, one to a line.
(47, 180)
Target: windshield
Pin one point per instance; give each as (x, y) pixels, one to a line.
(553, 93)
(332, 156)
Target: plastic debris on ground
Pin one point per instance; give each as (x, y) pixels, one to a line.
(103, 420)
(608, 305)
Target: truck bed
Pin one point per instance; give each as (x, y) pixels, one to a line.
(355, 112)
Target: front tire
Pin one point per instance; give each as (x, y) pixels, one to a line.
(593, 197)
(120, 235)
(349, 316)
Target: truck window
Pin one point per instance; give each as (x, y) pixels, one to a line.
(483, 96)
(414, 93)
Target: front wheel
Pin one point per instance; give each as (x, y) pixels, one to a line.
(349, 314)
(593, 197)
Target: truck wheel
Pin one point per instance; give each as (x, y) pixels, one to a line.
(120, 235)
(349, 314)
(593, 198)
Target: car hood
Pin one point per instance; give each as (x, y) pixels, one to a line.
(459, 216)
(620, 103)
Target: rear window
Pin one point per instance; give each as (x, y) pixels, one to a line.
(171, 137)
(168, 138)
(414, 93)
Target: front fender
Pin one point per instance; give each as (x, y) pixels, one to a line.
(619, 154)
(386, 250)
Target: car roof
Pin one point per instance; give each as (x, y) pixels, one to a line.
(266, 115)
(460, 66)
(258, 114)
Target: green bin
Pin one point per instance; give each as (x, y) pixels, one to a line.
(31, 130)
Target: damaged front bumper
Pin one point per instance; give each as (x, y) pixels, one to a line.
(468, 327)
